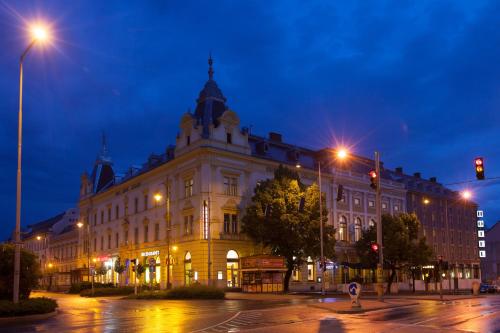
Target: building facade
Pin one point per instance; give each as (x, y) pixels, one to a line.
(490, 265)
(449, 223)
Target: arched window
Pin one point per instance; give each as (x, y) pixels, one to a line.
(232, 266)
(310, 269)
(371, 223)
(188, 273)
(357, 229)
(342, 228)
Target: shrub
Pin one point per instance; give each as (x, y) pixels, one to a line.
(26, 307)
(30, 272)
(99, 292)
(76, 288)
(190, 292)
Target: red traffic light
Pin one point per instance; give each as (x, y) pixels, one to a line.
(374, 247)
(479, 165)
(373, 178)
(478, 161)
(372, 174)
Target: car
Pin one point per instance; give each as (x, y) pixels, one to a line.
(487, 288)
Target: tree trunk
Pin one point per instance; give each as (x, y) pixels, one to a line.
(288, 274)
(413, 279)
(391, 279)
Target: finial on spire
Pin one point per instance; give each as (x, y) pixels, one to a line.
(104, 147)
(210, 69)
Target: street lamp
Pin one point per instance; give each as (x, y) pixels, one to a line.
(38, 34)
(466, 194)
(158, 197)
(80, 226)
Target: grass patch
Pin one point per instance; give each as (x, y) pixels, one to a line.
(31, 306)
(100, 292)
(191, 292)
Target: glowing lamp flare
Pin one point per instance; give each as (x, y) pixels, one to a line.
(479, 161)
(158, 197)
(466, 194)
(374, 247)
(79, 224)
(39, 33)
(372, 174)
(342, 153)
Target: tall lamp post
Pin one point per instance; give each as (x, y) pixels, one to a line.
(80, 225)
(158, 197)
(39, 34)
(341, 154)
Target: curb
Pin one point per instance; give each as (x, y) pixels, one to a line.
(354, 311)
(7, 320)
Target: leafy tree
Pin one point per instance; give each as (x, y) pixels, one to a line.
(284, 217)
(30, 272)
(402, 246)
(119, 268)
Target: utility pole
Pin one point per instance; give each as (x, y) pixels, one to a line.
(378, 203)
(322, 257)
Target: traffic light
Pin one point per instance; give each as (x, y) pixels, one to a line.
(373, 179)
(479, 165)
(340, 192)
(375, 247)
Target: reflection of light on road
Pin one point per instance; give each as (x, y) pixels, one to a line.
(170, 319)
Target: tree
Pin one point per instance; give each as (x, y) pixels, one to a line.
(284, 217)
(30, 272)
(119, 268)
(402, 246)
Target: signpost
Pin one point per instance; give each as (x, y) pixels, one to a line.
(354, 290)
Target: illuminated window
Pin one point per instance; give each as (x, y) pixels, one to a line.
(188, 273)
(310, 269)
(357, 202)
(232, 265)
(371, 203)
(342, 228)
(357, 229)
(384, 205)
(371, 223)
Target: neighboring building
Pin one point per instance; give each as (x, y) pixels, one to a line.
(42, 239)
(449, 224)
(490, 265)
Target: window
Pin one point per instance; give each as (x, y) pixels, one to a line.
(125, 236)
(232, 265)
(188, 140)
(342, 228)
(371, 203)
(102, 216)
(157, 232)
(136, 205)
(396, 208)
(357, 229)
(188, 187)
(109, 213)
(230, 186)
(310, 269)
(95, 219)
(117, 239)
(188, 224)
(357, 201)
(384, 205)
(102, 242)
(230, 223)
(117, 212)
(229, 138)
(109, 241)
(371, 223)
(136, 236)
(146, 201)
(188, 273)
(146, 231)
(95, 244)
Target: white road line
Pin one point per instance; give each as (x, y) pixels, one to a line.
(221, 323)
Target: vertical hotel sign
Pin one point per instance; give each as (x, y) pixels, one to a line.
(480, 234)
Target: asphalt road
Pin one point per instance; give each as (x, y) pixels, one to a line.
(112, 315)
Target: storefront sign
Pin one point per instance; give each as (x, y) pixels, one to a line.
(150, 253)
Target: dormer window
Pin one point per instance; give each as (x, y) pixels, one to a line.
(229, 138)
(188, 140)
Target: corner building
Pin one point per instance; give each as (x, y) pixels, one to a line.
(187, 203)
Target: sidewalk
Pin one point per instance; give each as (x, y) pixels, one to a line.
(266, 297)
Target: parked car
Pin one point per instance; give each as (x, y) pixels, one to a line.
(487, 288)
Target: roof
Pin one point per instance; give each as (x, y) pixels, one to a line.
(43, 226)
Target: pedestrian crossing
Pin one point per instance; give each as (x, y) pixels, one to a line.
(239, 321)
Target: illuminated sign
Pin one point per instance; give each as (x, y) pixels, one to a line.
(480, 233)
(150, 253)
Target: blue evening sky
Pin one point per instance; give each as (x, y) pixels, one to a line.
(417, 80)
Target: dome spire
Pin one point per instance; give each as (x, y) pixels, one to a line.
(210, 69)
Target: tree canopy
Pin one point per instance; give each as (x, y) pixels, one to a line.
(30, 272)
(402, 245)
(284, 217)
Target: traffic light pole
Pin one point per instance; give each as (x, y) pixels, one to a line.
(378, 203)
(322, 257)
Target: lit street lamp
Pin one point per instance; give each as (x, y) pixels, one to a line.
(80, 225)
(38, 34)
(158, 197)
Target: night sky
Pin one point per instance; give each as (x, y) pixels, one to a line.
(417, 80)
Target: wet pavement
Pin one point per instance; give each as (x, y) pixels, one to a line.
(287, 314)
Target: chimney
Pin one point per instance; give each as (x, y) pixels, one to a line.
(399, 170)
(276, 137)
(417, 175)
(433, 179)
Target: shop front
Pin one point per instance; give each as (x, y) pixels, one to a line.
(262, 274)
